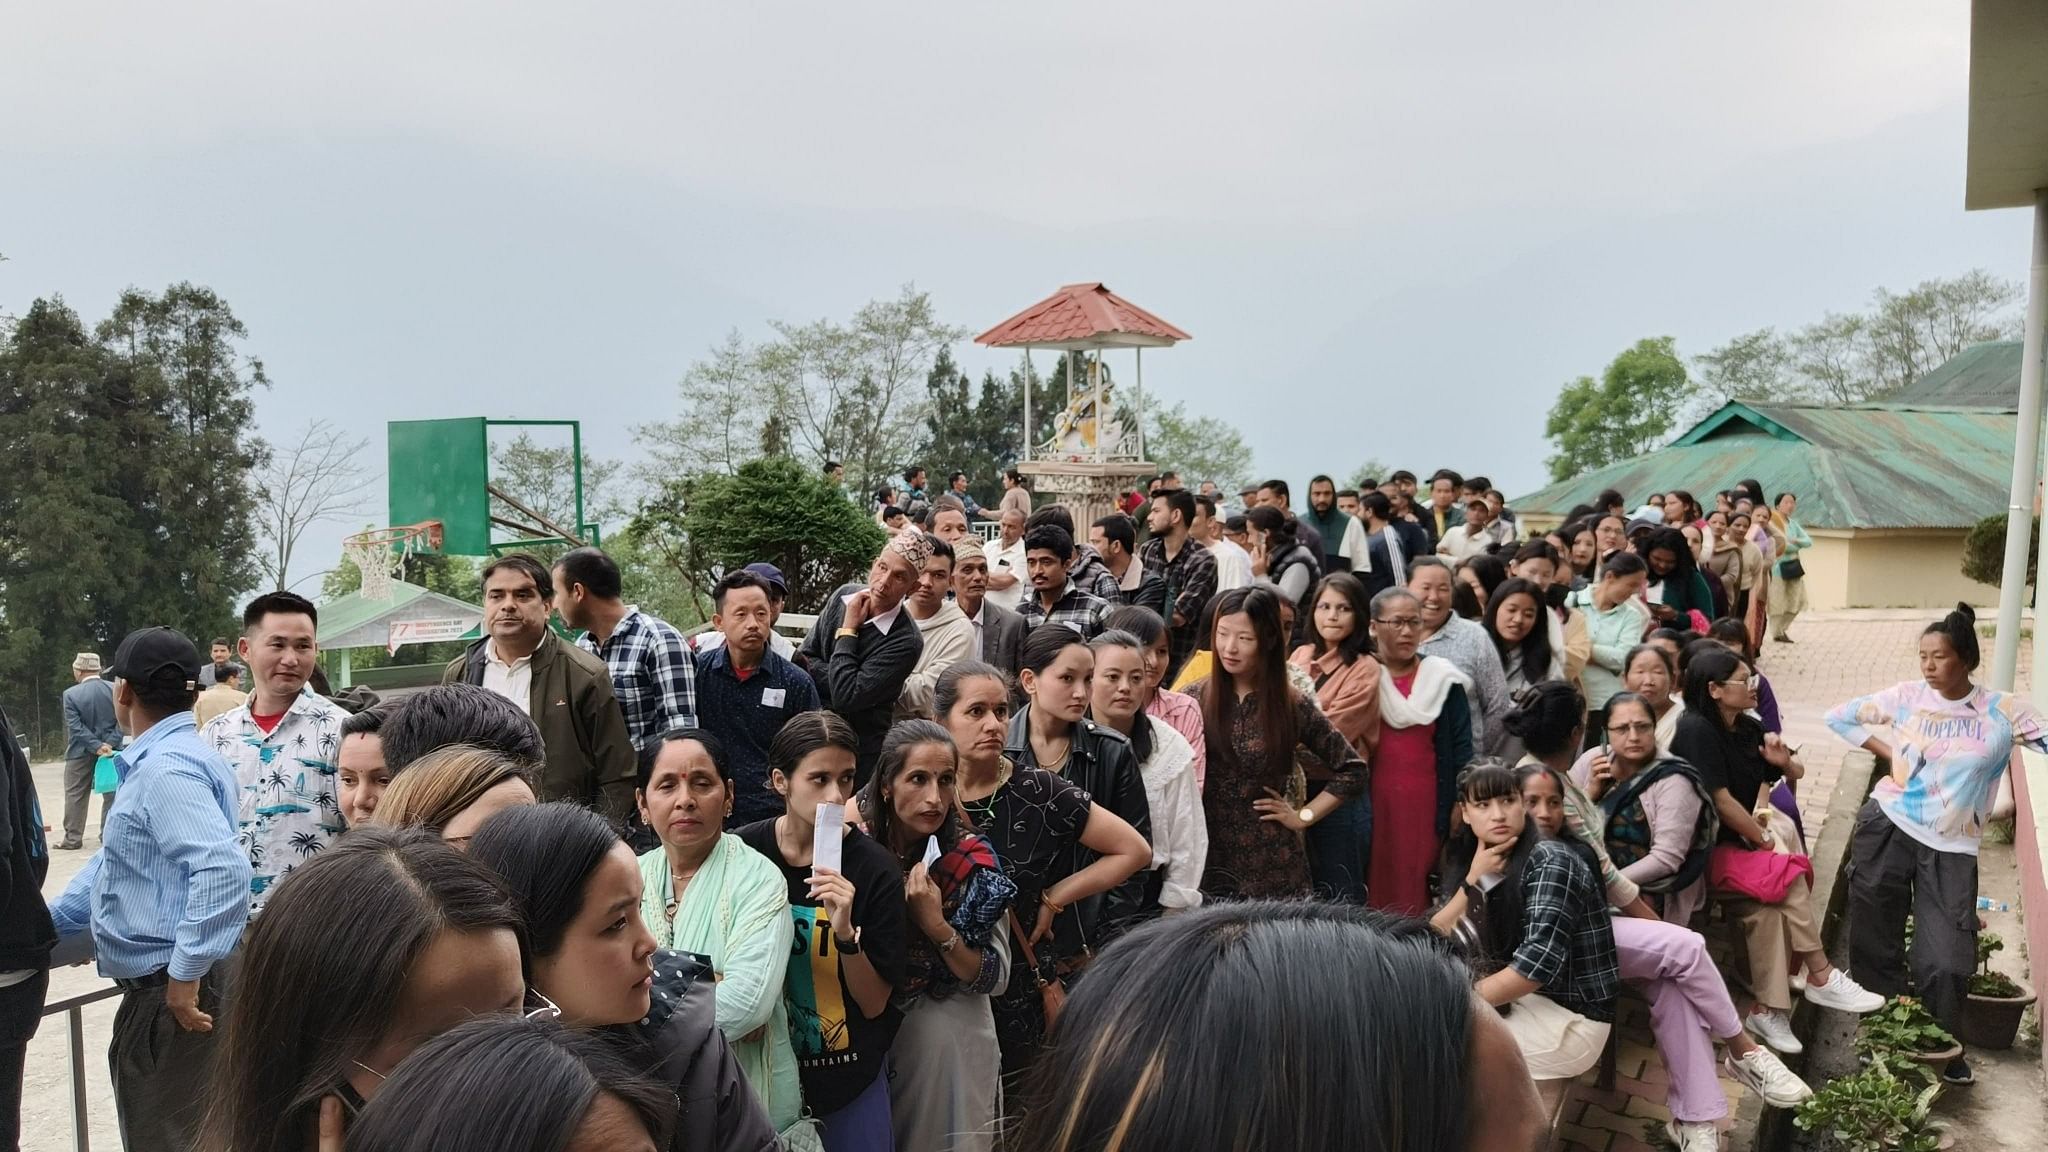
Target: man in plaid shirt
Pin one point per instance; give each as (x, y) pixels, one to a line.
(1188, 568)
(653, 674)
(1048, 553)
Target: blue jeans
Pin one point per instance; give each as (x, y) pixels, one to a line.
(1338, 848)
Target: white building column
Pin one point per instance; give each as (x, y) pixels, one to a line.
(2025, 479)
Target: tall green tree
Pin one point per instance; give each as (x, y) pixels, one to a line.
(129, 498)
(1626, 412)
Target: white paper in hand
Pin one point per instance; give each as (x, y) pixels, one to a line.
(931, 852)
(826, 837)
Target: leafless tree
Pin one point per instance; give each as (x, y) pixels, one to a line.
(319, 477)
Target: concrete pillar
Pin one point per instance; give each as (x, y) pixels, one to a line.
(2025, 476)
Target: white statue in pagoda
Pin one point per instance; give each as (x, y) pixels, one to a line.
(1079, 428)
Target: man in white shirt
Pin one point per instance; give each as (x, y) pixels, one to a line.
(1233, 563)
(1007, 581)
(1479, 533)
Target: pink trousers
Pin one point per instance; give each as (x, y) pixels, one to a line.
(1689, 1009)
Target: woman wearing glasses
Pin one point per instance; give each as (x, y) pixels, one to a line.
(1660, 822)
(705, 891)
(1425, 740)
(594, 961)
(370, 948)
(1767, 888)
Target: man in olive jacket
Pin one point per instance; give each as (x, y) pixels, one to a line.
(565, 690)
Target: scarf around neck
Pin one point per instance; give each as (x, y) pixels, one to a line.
(1434, 677)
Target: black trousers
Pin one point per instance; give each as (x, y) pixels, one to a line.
(160, 1070)
(1890, 875)
(21, 1009)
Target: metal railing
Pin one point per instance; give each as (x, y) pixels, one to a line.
(73, 1008)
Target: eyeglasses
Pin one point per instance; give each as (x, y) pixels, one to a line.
(1750, 682)
(1640, 726)
(546, 1009)
(1400, 624)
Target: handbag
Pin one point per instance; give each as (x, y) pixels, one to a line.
(105, 777)
(1791, 569)
(1052, 992)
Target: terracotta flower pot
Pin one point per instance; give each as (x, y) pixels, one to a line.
(1993, 1021)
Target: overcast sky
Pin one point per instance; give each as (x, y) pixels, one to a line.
(1399, 225)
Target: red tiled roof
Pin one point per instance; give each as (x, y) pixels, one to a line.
(1082, 314)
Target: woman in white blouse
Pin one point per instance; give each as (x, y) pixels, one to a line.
(1166, 762)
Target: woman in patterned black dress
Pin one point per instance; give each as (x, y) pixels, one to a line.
(1033, 819)
(1254, 721)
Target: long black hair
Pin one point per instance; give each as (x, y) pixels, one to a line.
(1359, 643)
(1960, 626)
(545, 854)
(805, 733)
(1492, 572)
(500, 1082)
(1670, 540)
(879, 807)
(1141, 728)
(324, 971)
(1709, 663)
(1380, 1003)
(1535, 647)
(1261, 605)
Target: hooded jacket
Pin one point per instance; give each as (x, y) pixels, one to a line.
(718, 1110)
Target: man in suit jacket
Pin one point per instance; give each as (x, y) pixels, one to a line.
(862, 648)
(998, 632)
(89, 722)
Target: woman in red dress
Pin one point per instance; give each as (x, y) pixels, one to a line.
(1425, 740)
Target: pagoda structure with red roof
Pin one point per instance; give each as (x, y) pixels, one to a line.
(1097, 450)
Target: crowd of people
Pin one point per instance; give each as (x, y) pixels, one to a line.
(1065, 840)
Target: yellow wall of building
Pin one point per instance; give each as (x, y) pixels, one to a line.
(1889, 569)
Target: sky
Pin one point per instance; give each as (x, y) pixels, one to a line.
(1394, 230)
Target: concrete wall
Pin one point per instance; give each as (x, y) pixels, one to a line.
(1891, 568)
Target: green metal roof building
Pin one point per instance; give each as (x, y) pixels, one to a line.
(1887, 488)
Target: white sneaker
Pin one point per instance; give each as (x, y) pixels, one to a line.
(1694, 1135)
(1799, 981)
(1843, 994)
(1774, 1029)
(1764, 1074)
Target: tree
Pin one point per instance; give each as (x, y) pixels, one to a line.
(315, 479)
(1627, 412)
(775, 510)
(1912, 333)
(978, 434)
(1831, 354)
(1198, 447)
(1753, 366)
(177, 373)
(1372, 469)
(725, 412)
(543, 478)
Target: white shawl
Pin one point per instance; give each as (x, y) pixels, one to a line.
(1433, 679)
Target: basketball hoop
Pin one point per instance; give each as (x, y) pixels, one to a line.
(380, 554)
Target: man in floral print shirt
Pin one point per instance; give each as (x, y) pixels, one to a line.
(281, 742)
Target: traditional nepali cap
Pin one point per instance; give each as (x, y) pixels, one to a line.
(968, 548)
(912, 546)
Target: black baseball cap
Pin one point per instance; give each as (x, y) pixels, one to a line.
(158, 656)
(771, 574)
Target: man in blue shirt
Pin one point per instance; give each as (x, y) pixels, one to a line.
(89, 723)
(166, 896)
(746, 692)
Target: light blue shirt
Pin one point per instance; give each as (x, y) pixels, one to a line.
(169, 887)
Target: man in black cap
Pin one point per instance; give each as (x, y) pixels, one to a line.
(167, 894)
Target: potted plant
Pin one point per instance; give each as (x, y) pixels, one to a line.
(1903, 1030)
(1872, 1111)
(1991, 1015)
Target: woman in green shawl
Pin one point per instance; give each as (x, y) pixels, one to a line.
(707, 892)
(1673, 567)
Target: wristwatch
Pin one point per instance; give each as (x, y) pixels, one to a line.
(847, 947)
(1308, 815)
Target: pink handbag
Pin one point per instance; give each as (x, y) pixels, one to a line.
(1757, 873)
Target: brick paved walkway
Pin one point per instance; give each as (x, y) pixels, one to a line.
(1835, 656)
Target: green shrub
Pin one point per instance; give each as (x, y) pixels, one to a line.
(1902, 1026)
(1871, 1111)
(1985, 982)
(1984, 551)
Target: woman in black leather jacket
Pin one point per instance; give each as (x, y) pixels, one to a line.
(1053, 732)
